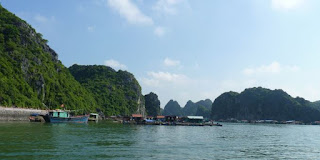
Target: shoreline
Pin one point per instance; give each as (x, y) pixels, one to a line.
(18, 114)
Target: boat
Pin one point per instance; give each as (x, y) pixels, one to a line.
(217, 124)
(63, 116)
(36, 117)
(94, 117)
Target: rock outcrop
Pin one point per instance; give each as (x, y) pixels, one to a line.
(152, 104)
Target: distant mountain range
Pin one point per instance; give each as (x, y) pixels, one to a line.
(252, 104)
(201, 108)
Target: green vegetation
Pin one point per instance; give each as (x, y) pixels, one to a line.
(206, 103)
(203, 111)
(316, 105)
(201, 108)
(172, 108)
(31, 74)
(263, 104)
(116, 93)
(190, 109)
(152, 104)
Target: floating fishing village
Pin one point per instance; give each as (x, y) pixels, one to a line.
(66, 116)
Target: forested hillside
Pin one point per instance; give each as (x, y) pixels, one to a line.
(263, 104)
(31, 74)
(116, 92)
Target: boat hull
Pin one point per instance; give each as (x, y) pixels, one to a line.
(76, 119)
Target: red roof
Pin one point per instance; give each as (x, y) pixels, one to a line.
(136, 115)
(160, 116)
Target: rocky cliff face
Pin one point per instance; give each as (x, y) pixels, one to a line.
(116, 92)
(31, 74)
(261, 104)
(152, 104)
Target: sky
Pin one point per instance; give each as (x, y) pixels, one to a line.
(188, 49)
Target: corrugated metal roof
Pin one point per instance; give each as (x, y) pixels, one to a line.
(136, 115)
(195, 117)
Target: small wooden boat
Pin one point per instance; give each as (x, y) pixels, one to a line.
(212, 124)
(217, 124)
(63, 116)
(35, 117)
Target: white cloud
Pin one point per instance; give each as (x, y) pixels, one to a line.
(159, 31)
(40, 18)
(179, 87)
(130, 12)
(115, 64)
(168, 86)
(287, 4)
(171, 63)
(162, 79)
(91, 28)
(43, 19)
(168, 77)
(167, 6)
(273, 68)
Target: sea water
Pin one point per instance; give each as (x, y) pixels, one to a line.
(105, 140)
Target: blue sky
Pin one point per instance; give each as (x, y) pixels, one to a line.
(188, 49)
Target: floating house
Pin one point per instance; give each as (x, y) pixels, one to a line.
(171, 118)
(137, 118)
(194, 119)
(161, 118)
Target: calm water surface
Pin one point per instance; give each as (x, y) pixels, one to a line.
(116, 141)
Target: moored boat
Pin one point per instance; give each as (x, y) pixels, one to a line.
(63, 116)
(94, 117)
(36, 117)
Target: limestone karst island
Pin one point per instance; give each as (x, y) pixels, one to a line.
(160, 79)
